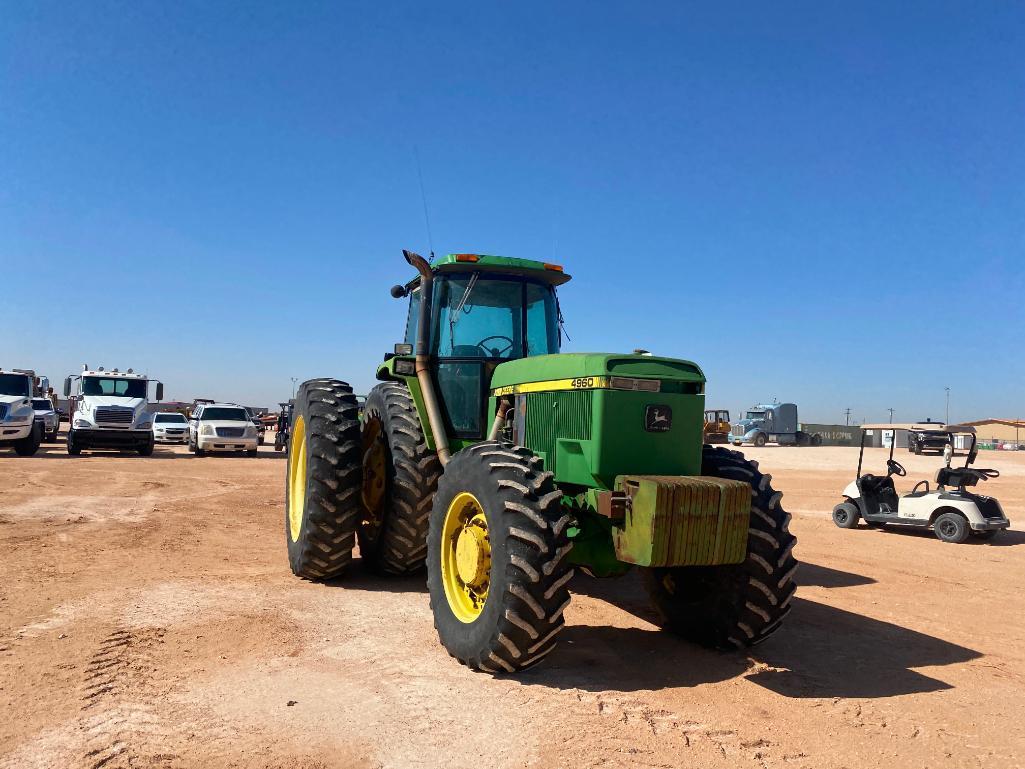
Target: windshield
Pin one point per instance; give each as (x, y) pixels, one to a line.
(484, 317)
(42, 404)
(14, 384)
(755, 415)
(118, 386)
(226, 414)
(170, 418)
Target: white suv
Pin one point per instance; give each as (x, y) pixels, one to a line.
(222, 427)
(170, 427)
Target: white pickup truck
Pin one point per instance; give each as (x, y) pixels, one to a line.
(18, 426)
(109, 411)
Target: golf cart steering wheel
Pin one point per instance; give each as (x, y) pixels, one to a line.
(495, 352)
(896, 468)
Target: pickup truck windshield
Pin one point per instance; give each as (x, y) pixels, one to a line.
(42, 404)
(14, 384)
(226, 414)
(180, 418)
(124, 388)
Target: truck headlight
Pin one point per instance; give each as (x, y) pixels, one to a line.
(206, 430)
(82, 423)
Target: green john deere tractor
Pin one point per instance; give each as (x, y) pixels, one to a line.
(501, 465)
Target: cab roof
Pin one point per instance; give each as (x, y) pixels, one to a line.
(545, 271)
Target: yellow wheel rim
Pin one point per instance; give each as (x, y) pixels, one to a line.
(297, 479)
(466, 557)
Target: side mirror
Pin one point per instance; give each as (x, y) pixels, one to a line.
(948, 454)
(67, 387)
(160, 391)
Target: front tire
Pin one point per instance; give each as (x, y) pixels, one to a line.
(952, 528)
(74, 449)
(322, 480)
(759, 440)
(846, 515)
(29, 445)
(737, 605)
(496, 558)
(400, 477)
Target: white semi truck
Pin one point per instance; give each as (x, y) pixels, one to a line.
(18, 426)
(109, 411)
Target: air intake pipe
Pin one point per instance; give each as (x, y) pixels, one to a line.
(423, 357)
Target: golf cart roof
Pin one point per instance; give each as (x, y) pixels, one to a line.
(919, 426)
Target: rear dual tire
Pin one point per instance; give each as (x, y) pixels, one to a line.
(323, 480)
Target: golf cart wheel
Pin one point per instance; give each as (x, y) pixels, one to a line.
(984, 535)
(759, 440)
(29, 445)
(846, 515)
(322, 481)
(736, 605)
(496, 558)
(400, 476)
(951, 527)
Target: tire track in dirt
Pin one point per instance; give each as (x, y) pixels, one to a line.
(120, 725)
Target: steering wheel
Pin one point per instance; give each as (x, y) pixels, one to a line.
(495, 352)
(896, 468)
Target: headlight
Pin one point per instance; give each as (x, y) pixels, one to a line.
(206, 430)
(82, 423)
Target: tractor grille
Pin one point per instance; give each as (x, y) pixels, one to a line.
(737, 430)
(556, 414)
(116, 415)
(230, 432)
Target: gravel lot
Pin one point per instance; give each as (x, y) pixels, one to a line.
(148, 619)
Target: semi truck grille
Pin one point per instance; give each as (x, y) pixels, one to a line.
(554, 415)
(737, 430)
(230, 432)
(114, 415)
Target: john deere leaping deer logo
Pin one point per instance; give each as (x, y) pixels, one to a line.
(658, 419)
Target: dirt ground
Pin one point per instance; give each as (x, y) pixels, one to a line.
(148, 619)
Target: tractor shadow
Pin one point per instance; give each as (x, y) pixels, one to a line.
(813, 575)
(821, 651)
(359, 576)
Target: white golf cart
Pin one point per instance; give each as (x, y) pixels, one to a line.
(953, 512)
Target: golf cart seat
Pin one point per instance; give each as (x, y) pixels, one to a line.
(956, 477)
(878, 491)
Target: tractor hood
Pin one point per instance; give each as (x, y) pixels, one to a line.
(572, 369)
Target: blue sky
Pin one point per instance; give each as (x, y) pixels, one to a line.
(817, 202)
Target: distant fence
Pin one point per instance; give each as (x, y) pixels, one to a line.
(835, 435)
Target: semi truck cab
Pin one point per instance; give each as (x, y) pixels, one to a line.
(18, 426)
(109, 411)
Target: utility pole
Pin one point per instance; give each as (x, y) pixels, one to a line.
(891, 415)
(947, 421)
(847, 414)
(294, 380)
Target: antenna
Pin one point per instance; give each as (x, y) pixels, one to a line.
(423, 198)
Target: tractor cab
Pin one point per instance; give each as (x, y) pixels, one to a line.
(482, 311)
